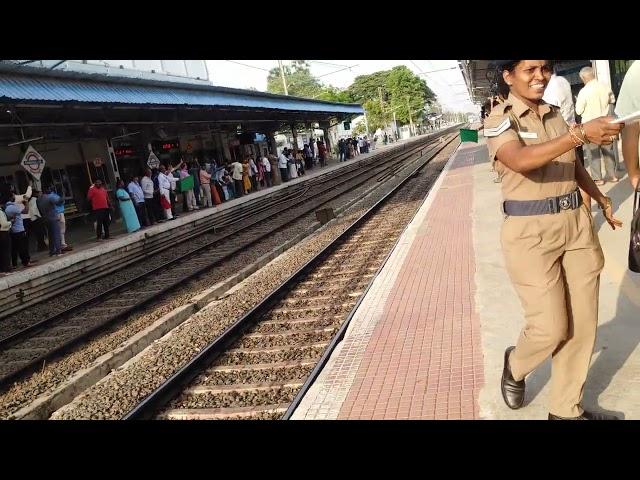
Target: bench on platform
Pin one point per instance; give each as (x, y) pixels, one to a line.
(71, 211)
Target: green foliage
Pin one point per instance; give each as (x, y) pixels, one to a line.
(376, 116)
(381, 93)
(333, 94)
(397, 90)
(366, 87)
(409, 94)
(359, 129)
(300, 82)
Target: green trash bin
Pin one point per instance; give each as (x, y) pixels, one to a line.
(467, 135)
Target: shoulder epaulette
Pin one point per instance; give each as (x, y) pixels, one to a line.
(495, 131)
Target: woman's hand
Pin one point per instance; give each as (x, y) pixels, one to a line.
(601, 131)
(607, 211)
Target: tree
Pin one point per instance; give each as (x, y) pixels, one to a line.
(359, 129)
(377, 117)
(300, 82)
(397, 90)
(409, 93)
(367, 87)
(333, 94)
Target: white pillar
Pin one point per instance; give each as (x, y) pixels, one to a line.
(602, 71)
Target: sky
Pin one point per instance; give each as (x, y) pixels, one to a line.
(442, 76)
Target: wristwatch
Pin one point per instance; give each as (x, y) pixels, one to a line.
(606, 204)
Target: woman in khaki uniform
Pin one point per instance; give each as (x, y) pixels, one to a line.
(551, 251)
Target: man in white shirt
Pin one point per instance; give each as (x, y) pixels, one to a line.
(137, 197)
(148, 190)
(283, 164)
(593, 101)
(267, 170)
(237, 178)
(164, 182)
(558, 93)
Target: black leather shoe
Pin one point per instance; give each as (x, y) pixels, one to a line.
(586, 416)
(512, 391)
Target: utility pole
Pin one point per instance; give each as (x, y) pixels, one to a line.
(366, 123)
(284, 80)
(395, 126)
(410, 121)
(382, 108)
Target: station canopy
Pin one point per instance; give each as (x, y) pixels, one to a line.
(38, 101)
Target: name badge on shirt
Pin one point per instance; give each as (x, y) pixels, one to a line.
(528, 134)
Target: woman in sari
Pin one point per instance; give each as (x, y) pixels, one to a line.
(246, 182)
(127, 210)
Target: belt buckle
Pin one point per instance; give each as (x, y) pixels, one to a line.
(565, 202)
(504, 213)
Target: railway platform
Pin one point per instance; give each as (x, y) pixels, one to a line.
(86, 249)
(428, 338)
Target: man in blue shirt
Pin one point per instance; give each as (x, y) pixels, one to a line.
(62, 224)
(137, 197)
(47, 204)
(19, 242)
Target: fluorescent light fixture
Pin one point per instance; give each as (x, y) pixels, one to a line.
(35, 139)
(125, 135)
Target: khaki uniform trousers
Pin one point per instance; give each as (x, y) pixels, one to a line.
(554, 262)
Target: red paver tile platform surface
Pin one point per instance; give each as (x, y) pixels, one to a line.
(424, 358)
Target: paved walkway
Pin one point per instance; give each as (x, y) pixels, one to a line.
(428, 339)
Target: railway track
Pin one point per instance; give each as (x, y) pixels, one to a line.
(24, 301)
(262, 365)
(23, 349)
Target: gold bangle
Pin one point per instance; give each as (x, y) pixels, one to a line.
(584, 135)
(576, 140)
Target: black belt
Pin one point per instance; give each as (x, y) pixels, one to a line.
(570, 201)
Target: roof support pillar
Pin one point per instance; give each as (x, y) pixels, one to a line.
(295, 137)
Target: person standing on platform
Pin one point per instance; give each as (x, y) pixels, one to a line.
(19, 242)
(137, 197)
(291, 163)
(189, 197)
(246, 174)
(148, 188)
(253, 174)
(37, 222)
(322, 153)
(194, 171)
(236, 175)
(62, 222)
(164, 184)
(558, 93)
(5, 242)
(283, 165)
(205, 186)
(266, 165)
(308, 157)
(127, 210)
(593, 101)
(100, 206)
(552, 253)
(46, 203)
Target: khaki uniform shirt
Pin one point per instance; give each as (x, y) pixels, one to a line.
(513, 120)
